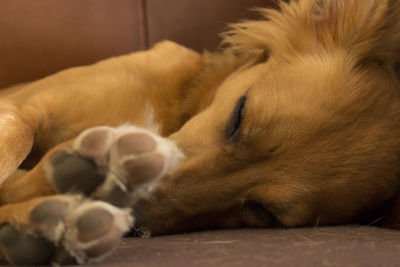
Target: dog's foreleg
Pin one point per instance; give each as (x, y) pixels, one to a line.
(115, 165)
(32, 183)
(16, 139)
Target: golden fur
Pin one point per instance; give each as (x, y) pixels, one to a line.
(319, 140)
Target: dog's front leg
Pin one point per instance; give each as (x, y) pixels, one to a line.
(26, 185)
(115, 165)
(16, 139)
(137, 88)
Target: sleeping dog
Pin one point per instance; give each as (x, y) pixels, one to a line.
(296, 122)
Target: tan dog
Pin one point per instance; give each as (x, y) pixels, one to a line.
(296, 123)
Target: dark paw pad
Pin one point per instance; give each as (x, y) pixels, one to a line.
(72, 173)
(50, 213)
(23, 249)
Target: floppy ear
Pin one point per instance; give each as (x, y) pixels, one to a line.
(364, 29)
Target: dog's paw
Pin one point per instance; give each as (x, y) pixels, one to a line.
(112, 164)
(65, 229)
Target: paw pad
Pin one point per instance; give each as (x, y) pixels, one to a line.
(135, 143)
(107, 160)
(144, 169)
(95, 142)
(94, 224)
(71, 173)
(65, 229)
(23, 249)
(49, 213)
(97, 228)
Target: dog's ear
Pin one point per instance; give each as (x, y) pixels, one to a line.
(365, 29)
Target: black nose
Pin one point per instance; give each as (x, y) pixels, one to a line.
(139, 228)
(139, 231)
(135, 233)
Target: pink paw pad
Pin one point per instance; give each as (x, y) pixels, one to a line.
(135, 143)
(113, 164)
(144, 169)
(95, 143)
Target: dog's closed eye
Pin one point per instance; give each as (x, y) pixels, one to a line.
(236, 118)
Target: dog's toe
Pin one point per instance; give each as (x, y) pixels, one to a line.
(96, 228)
(71, 172)
(144, 169)
(135, 143)
(140, 157)
(84, 168)
(93, 224)
(135, 156)
(96, 224)
(95, 142)
(137, 159)
(49, 213)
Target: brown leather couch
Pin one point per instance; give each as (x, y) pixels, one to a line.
(41, 37)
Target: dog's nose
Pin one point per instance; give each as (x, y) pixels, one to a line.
(140, 226)
(136, 232)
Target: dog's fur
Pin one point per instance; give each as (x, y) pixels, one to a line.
(296, 122)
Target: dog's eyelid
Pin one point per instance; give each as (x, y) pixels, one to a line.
(263, 57)
(236, 118)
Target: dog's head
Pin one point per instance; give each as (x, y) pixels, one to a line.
(309, 136)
